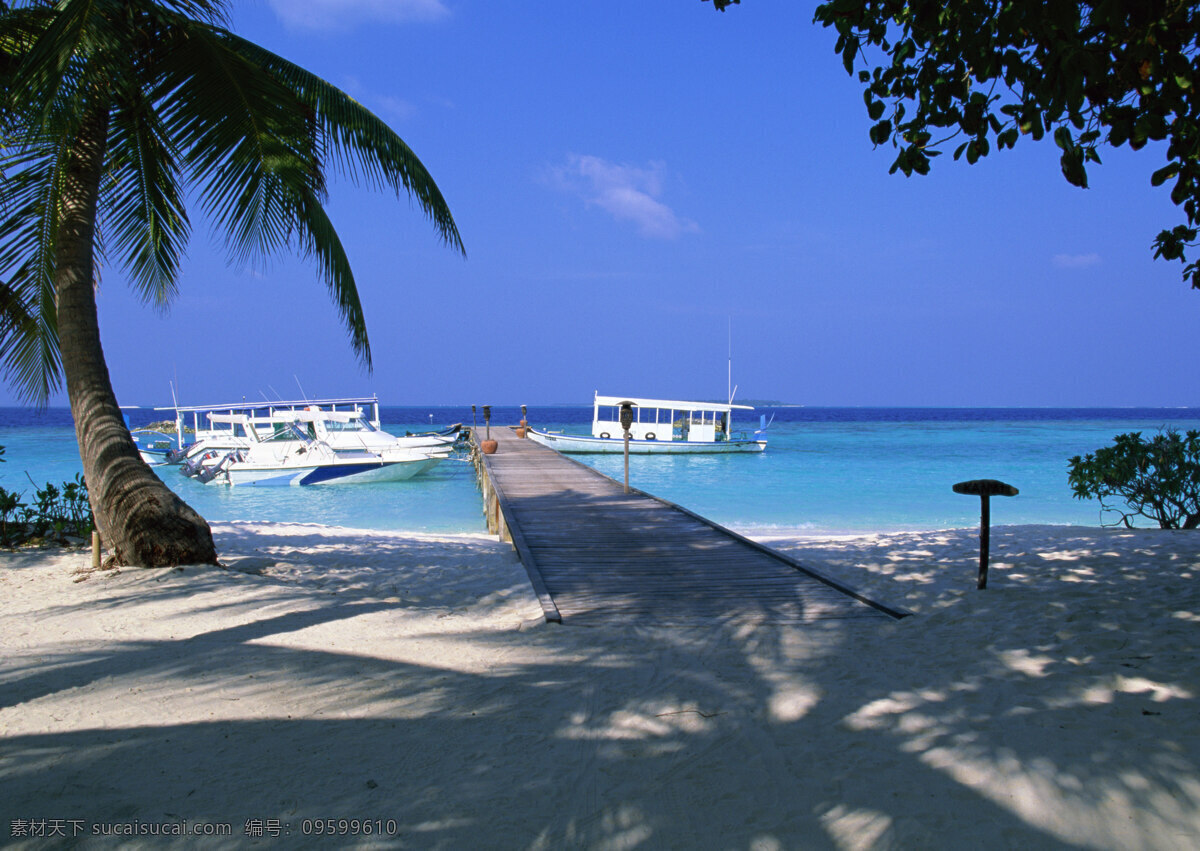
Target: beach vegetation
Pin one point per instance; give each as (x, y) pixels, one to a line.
(114, 114)
(57, 514)
(1157, 478)
(974, 77)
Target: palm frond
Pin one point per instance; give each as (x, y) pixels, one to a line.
(247, 137)
(29, 338)
(186, 100)
(30, 198)
(256, 155)
(145, 215)
(209, 11)
(319, 240)
(48, 81)
(29, 353)
(363, 144)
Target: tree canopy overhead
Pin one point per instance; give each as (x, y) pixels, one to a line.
(975, 76)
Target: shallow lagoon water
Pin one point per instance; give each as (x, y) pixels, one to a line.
(825, 470)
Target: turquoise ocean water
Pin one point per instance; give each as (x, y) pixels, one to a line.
(825, 470)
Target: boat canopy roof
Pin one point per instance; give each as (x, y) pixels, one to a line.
(290, 417)
(674, 405)
(228, 418)
(258, 406)
(314, 416)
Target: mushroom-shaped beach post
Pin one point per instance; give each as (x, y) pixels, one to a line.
(984, 489)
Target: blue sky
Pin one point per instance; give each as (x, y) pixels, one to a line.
(633, 180)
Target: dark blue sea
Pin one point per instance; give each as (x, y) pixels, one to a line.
(825, 470)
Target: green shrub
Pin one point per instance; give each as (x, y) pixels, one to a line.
(56, 514)
(10, 508)
(1158, 478)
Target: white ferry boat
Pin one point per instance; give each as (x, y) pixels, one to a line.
(660, 426)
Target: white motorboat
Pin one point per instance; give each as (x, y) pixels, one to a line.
(659, 427)
(350, 430)
(291, 457)
(345, 424)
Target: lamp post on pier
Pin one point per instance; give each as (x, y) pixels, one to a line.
(626, 424)
(488, 445)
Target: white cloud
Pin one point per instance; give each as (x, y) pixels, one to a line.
(393, 110)
(1076, 261)
(626, 192)
(346, 14)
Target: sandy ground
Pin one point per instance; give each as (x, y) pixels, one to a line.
(405, 684)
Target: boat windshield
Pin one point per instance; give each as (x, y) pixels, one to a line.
(286, 431)
(356, 424)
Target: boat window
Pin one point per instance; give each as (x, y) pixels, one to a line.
(295, 432)
(353, 425)
(282, 431)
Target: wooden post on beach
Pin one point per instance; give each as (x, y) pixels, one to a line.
(95, 549)
(985, 489)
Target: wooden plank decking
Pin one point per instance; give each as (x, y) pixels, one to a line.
(596, 553)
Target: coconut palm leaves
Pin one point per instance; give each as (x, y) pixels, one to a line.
(112, 114)
(192, 111)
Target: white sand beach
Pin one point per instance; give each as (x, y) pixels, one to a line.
(408, 683)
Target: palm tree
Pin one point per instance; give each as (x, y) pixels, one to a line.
(112, 112)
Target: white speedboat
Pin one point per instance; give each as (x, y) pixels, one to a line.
(352, 430)
(659, 427)
(345, 424)
(290, 457)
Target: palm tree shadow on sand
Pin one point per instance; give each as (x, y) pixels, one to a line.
(1057, 728)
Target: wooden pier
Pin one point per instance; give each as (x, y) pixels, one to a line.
(595, 553)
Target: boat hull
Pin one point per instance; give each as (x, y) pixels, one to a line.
(353, 473)
(581, 444)
(153, 446)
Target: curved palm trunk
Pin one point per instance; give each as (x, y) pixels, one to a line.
(140, 519)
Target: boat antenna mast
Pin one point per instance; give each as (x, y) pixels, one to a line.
(178, 417)
(729, 386)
